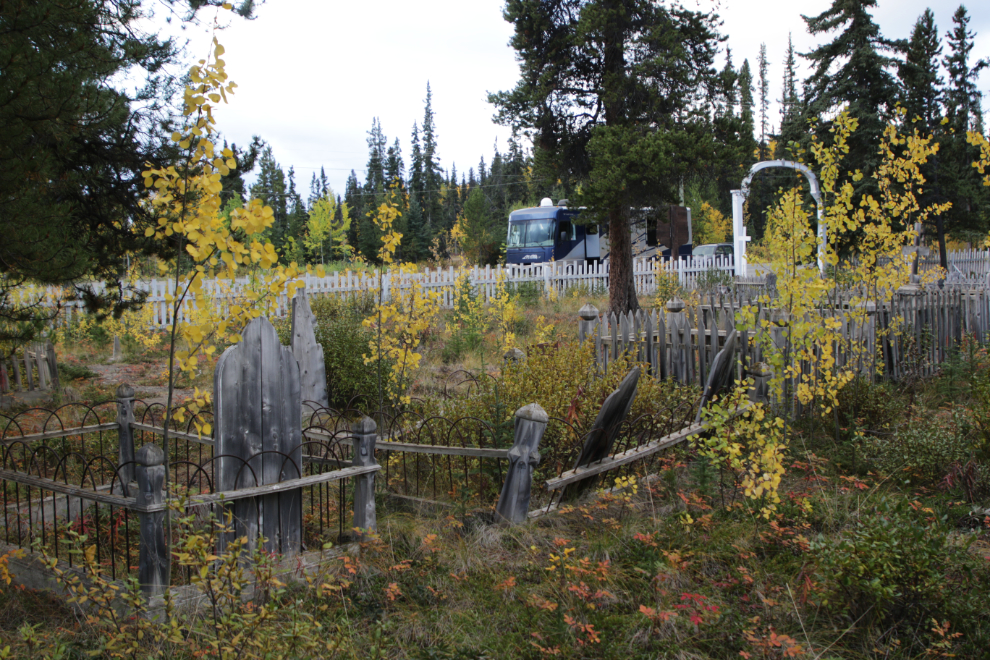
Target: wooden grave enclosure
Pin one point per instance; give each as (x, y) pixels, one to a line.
(30, 368)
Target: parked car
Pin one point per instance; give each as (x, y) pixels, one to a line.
(713, 250)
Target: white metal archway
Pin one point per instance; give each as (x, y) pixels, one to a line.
(739, 237)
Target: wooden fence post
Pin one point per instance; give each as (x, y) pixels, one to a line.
(153, 556)
(513, 503)
(586, 326)
(125, 435)
(53, 367)
(365, 436)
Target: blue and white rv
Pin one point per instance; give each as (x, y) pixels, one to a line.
(548, 233)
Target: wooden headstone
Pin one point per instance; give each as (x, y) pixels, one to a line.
(598, 443)
(308, 353)
(258, 435)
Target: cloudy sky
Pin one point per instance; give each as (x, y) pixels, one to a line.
(313, 73)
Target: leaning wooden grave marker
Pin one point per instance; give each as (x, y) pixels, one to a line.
(259, 434)
(598, 443)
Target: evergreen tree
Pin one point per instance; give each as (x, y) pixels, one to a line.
(395, 167)
(374, 182)
(957, 179)
(431, 172)
(792, 123)
(746, 109)
(765, 127)
(246, 160)
(611, 92)
(921, 94)
(354, 198)
(295, 222)
(271, 188)
(852, 72)
(483, 235)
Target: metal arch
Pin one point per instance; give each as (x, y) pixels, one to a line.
(739, 237)
(790, 164)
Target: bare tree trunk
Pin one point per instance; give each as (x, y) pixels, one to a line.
(621, 286)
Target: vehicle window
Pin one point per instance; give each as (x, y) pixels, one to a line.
(724, 249)
(517, 234)
(539, 233)
(704, 250)
(566, 232)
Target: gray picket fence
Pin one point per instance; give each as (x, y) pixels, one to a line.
(911, 334)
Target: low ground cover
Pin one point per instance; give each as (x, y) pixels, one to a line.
(880, 547)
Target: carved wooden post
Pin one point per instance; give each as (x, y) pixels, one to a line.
(125, 434)
(761, 374)
(589, 318)
(153, 557)
(365, 436)
(308, 353)
(513, 503)
(259, 436)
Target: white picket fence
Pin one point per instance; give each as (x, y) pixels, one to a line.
(561, 277)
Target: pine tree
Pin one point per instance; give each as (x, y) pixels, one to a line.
(765, 127)
(245, 160)
(611, 93)
(375, 182)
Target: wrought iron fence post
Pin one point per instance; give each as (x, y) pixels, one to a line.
(153, 561)
(365, 436)
(125, 434)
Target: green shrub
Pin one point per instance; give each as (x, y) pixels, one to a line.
(891, 568)
(529, 293)
(69, 372)
(345, 342)
(923, 449)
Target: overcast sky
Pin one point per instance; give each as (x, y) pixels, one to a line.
(312, 74)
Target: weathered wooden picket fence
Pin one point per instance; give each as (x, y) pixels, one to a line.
(560, 277)
(910, 334)
(969, 264)
(31, 367)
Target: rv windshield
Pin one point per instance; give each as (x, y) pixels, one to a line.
(531, 233)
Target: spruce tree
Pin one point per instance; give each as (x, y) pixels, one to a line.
(746, 109)
(852, 72)
(271, 188)
(792, 123)
(433, 179)
(765, 127)
(958, 180)
(921, 91)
